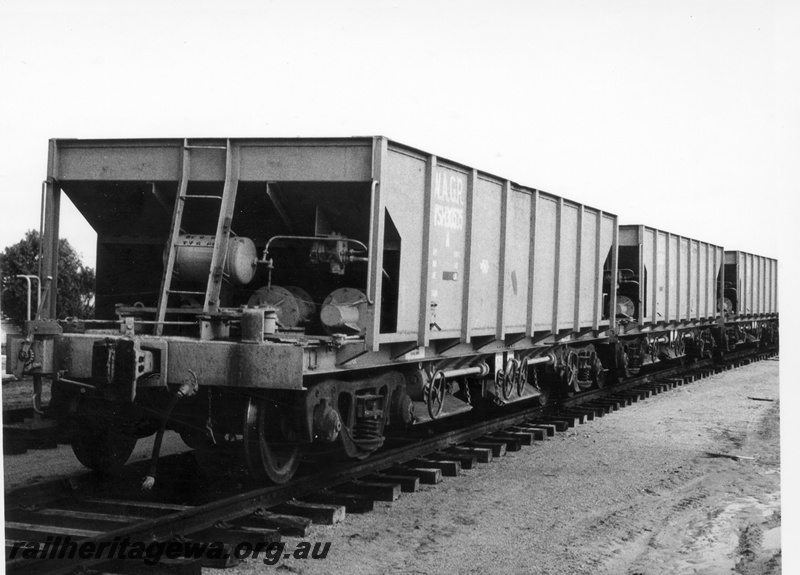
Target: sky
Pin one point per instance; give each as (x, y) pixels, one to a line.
(672, 114)
(681, 115)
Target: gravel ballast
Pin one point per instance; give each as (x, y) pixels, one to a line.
(685, 482)
(635, 492)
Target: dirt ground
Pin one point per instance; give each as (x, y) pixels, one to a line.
(636, 492)
(48, 464)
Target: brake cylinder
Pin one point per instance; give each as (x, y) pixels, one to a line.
(193, 259)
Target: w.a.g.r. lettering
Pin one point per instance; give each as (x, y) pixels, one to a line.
(449, 193)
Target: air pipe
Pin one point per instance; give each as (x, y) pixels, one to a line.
(187, 389)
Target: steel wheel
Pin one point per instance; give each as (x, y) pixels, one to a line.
(571, 374)
(436, 392)
(508, 378)
(598, 373)
(269, 454)
(544, 395)
(544, 388)
(680, 346)
(622, 370)
(105, 453)
(522, 376)
(99, 439)
(101, 448)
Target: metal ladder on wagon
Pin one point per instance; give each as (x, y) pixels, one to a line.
(221, 238)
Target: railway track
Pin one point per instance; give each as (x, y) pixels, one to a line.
(266, 514)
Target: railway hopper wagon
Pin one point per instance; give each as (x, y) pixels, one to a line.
(667, 289)
(279, 297)
(748, 298)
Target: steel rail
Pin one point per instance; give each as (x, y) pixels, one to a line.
(204, 516)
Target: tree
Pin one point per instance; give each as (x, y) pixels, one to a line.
(75, 281)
